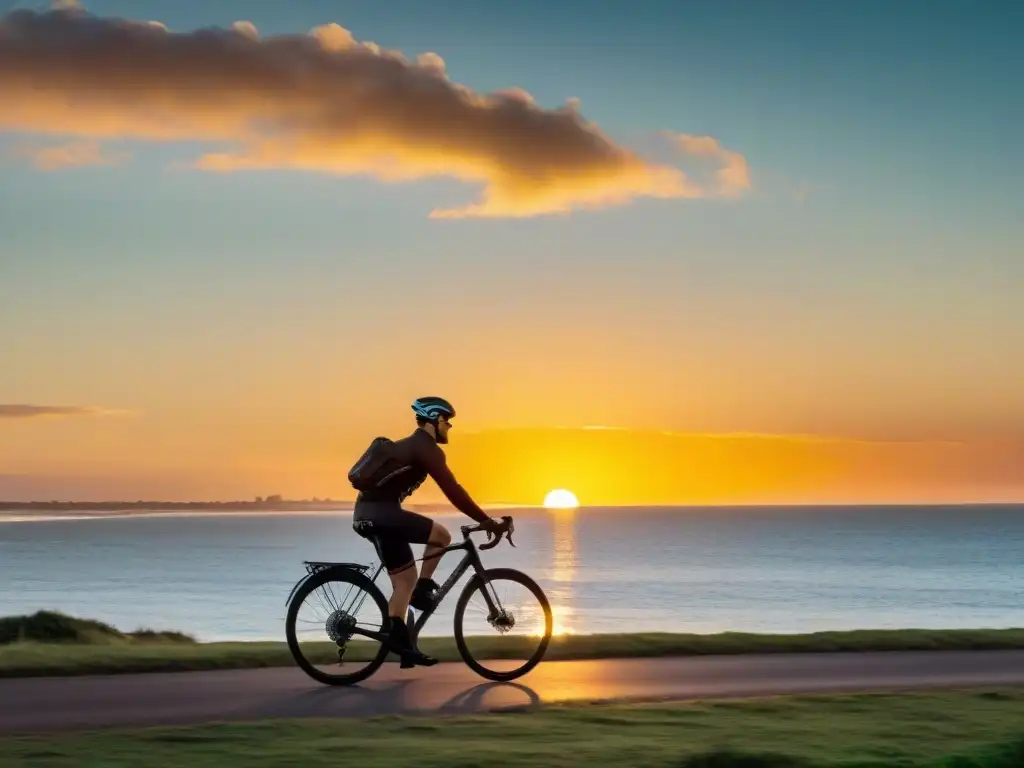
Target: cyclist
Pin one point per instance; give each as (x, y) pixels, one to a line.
(387, 474)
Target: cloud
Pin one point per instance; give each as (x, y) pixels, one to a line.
(733, 176)
(321, 102)
(21, 411)
(804, 190)
(73, 154)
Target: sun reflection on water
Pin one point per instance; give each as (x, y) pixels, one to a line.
(563, 571)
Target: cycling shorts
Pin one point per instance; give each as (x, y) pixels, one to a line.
(391, 529)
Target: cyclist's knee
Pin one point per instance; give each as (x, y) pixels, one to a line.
(439, 535)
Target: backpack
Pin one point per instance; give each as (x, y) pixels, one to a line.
(365, 471)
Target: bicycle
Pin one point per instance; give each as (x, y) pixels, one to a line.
(342, 625)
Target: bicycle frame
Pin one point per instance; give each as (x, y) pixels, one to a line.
(470, 560)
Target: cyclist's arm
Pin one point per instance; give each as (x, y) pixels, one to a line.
(437, 466)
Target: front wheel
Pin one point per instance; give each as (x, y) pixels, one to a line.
(506, 636)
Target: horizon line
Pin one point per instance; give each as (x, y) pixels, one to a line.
(6, 504)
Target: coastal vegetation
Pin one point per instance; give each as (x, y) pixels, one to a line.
(49, 643)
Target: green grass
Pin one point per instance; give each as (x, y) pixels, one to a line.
(52, 644)
(974, 729)
(52, 627)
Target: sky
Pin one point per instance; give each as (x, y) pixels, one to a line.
(659, 253)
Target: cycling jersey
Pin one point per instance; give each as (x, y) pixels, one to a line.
(410, 460)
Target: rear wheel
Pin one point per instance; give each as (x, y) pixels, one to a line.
(509, 640)
(320, 622)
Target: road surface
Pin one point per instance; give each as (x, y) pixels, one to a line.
(43, 704)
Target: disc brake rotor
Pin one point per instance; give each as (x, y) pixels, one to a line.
(503, 622)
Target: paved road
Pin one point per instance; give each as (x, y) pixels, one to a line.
(40, 704)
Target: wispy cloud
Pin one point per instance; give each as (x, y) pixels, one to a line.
(733, 173)
(804, 190)
(72, 154)
(700, 436)
(322, 102)
(24, 411)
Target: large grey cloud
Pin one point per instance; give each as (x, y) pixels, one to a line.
(323, 102)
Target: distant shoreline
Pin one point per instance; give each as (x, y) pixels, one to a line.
(84, 510)
(23, 512)
(325, 505)
(277, 504)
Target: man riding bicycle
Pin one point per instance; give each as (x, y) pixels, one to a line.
(385, 476)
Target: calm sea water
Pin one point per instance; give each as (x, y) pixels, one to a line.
(605, 570)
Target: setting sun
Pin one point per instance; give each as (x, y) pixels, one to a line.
(561, 499)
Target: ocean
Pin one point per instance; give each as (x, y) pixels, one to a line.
(753, 569)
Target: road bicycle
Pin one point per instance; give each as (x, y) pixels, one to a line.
(353, 638)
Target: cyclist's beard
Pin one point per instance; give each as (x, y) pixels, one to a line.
(441, 437)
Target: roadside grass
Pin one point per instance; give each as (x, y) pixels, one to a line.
(47, 644)
(980, 728)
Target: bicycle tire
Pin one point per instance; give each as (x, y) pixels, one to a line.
(498, 574)
(354, 578)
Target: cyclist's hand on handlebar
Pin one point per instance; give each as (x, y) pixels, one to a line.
(495, 529)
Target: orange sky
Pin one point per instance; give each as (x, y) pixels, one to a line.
(223, 287)
(126, 456)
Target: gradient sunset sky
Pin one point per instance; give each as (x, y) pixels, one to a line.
(689, 252)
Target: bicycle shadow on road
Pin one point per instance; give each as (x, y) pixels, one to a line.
(347, 701)
(417, 696)
(507, 697)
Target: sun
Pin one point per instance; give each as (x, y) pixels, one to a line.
(561, 499)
